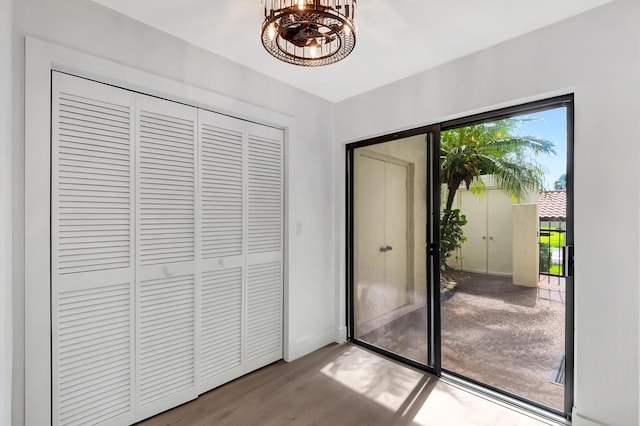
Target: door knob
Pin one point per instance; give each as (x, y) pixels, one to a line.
(388, 248)
(484, 238)
(383, 249)
(491, 238)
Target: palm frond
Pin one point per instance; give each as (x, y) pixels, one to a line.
(469, 152)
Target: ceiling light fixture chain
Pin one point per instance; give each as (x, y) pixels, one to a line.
(309, 32)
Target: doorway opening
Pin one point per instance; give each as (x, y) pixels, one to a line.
(481, 209)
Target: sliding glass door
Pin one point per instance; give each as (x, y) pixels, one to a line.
(460, 250)
(506, 223)
(389, 263)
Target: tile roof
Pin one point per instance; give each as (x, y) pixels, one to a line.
(552, 204)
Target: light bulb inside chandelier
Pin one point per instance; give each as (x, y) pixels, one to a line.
(315, 48)
(309, 32)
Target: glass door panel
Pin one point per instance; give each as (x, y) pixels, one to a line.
(389, 254)
(503, 225)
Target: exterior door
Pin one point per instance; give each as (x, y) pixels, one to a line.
(488, 232)
(499, 233)
(485, 325)
(389, 256)
(510, 332)
(473, 255)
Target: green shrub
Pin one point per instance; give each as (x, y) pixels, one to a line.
(545, 257)
(451, 235)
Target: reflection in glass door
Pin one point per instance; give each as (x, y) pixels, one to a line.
(504, 222)
(389, 228)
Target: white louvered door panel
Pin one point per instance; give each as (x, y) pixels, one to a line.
(264, 240)
(166, 175)
(221, 174)
(167, 275)
(92, 219)
(264, 314)
(221, 327)
(222, 229)
(265, 189)
(166, 338)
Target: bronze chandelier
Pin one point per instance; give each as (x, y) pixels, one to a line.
(309, 32)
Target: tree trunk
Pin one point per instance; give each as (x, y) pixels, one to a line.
(452, 187)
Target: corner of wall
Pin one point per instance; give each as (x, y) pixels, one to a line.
(342, 335)
(310, 343)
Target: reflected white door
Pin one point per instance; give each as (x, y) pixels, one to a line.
(395, 221)
(381, 248)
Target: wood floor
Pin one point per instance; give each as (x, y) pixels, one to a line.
(342, 385)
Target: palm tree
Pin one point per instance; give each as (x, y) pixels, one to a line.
(468, 153)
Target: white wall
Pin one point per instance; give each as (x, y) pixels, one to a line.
(6, 344)
(597, 55)
(91, 28)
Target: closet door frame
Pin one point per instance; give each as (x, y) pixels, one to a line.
(41, 59)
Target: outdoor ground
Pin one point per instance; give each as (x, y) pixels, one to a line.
(507, 336)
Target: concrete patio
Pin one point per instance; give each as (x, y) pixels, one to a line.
(508, 336)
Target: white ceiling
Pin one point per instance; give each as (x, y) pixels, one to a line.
(396, 38)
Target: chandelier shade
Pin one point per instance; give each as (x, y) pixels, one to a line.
(309, 32)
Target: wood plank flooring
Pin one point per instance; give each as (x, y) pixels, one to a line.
(342, 385)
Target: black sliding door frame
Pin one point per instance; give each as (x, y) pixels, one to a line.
(434, 341)
(434, 326)
(432, 136)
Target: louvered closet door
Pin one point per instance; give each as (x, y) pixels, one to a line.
(92, 216)
(167, 276)
(222, 256)
(263, 335)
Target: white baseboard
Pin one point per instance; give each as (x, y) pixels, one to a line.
(578, 420)
(342, 335)
(308, 344)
